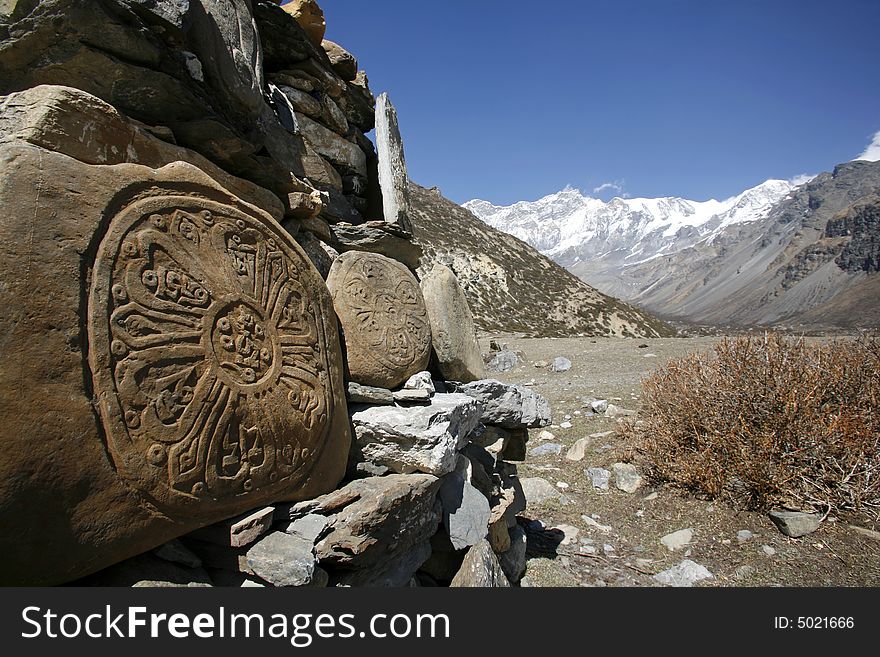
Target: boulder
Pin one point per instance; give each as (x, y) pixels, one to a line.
(453, 334)
(190, 391)
(418, 438)
(78, 124)
(507, 405)
(159, 62)
(465, 509)
(626, 477)
(599, 477)
(371, 238)
(285, 560)
(685, 574)
(393, 178)
(502, 361)
(344, 63)
(344, 155)
(379, 528)
(578, 451)
(796, 523)
(560, 364)
(310, 17)
(480, 569)
(383, 317)
(420, 381)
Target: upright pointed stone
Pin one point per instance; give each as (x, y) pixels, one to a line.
(393, 178)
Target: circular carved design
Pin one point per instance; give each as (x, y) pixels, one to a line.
(209, 352)
(383, 315)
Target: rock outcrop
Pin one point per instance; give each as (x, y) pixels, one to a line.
(190, 201)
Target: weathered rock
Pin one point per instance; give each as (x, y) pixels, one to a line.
(419, 438)
(599, 405)
(303, 102)
(310, 17)
(393, 178)
(383, 318)
(311, 527)
(321, 255)
(453, 335)
(375, 521)
(465, 509)
(144, 307)
(285, 560)
(578, 451)
(617, 411)
(560, 364)
(546, 449)
(678, 540)
(626, 477)
(420, 381)
(599, 477)
(513, 560)
(374, 239)
(508, 405)
(359, 106)
(80, 125)
(687, 573)
(358, 394)
(480, 569)
(344, 63)
(417, 396)
(796, 523)
(539, 490)
(394, 572)
(240, 531)
(503, 361)
(744, 535)
(335, 148)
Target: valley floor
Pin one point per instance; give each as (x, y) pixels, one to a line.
(594, 537)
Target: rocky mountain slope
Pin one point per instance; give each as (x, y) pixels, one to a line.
(595, 239)
(510, 286)
(774, 255)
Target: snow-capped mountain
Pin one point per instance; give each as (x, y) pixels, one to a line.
(778, 254)
(572, 228)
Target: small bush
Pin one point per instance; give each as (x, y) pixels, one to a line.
(768, 421)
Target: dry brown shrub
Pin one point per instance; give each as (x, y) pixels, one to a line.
(768, 421)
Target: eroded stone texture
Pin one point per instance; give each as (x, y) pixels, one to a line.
(199, 330)
(393, 178)
(310, 16)
(452, 326)
(383, 317)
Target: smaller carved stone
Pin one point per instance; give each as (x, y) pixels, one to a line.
(383, 317)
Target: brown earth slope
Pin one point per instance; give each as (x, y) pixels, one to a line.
(510, 286)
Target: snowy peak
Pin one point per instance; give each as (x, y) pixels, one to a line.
(571, 227)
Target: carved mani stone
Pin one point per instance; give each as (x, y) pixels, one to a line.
(171, 359)
(383, 317)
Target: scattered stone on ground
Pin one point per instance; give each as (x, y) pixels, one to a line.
(599, 477)
(560, 364)
(626, 477)
(687, 573)
(796, 523)
(577, 451)
(678, 540)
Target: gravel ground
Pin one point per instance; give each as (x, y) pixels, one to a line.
(626, 550)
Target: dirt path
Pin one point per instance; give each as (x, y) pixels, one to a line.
(612, 538)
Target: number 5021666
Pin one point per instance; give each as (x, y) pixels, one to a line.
(825, 622)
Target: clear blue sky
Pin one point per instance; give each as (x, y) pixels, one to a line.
(511, 100)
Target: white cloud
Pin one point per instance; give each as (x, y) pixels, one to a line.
(614, 186)
(802, 179)
(872, 152)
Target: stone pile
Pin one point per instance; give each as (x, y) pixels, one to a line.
(190, 202)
